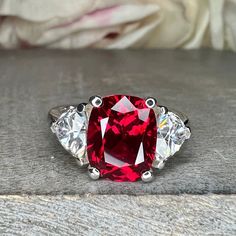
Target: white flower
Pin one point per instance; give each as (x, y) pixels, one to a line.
(118, 23)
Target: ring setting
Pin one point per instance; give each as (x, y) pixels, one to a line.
(120, 137)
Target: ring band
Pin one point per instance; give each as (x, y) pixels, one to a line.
(120, 137)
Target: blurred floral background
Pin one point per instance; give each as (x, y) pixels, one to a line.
(71, 24)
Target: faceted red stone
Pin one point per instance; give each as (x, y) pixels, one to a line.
(122, 138)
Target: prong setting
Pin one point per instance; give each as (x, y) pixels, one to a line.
(188, 132)
(159, 162)
(96, 101)
(82, 161)
(93, 172)
(53, 128)
(81, 107)
(147, 176)
(150, 102)
(164, 110)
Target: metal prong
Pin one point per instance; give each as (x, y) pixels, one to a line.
(158, 163)
(81, 107)
(187, 132)
(53, 128)
(96, 101)
(150, 102)
(147, 176)
(164, 110)
(93, 172)
(82, 161)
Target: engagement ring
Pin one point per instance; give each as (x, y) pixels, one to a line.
(120, 137)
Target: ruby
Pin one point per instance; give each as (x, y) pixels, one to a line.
(121, 138)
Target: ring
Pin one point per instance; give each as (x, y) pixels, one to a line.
(120, 137)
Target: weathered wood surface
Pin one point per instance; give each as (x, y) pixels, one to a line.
(113, 215)
(200, 83)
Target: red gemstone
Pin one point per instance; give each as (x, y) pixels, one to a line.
(122, 138)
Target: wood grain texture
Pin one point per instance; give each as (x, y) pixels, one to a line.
(200, 83)
(118, 215)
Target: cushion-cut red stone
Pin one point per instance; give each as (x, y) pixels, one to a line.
(122, 138)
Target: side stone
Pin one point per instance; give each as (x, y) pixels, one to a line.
(171, 135)
(70, 130)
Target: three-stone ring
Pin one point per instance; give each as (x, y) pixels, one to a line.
(120, 137)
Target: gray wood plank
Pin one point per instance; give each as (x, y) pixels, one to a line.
(200, 83)
(118, 215)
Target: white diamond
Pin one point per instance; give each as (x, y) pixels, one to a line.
(172, 133)
(70, 129)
